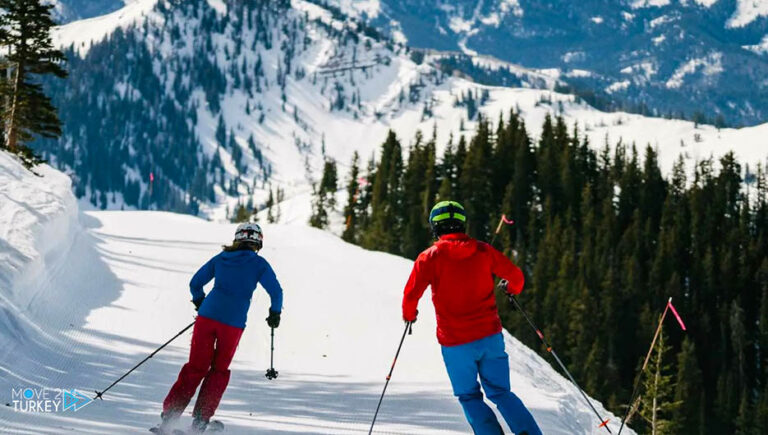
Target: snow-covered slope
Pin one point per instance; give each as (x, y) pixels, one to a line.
(747, 11)
(38, 221)
(630, 48)
(65, 11)
(90, 30)
(120, 289)
(344, 91)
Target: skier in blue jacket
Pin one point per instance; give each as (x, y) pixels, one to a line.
(220, 322)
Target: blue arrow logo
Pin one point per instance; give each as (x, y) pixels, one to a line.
(75, 401)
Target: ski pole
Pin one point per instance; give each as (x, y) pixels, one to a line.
(271, 372)
(409, 330)
(604, 423)
(99, 394)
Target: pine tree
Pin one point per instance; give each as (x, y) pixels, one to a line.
(319, 217)
(415, 186)
(242, 214)
(688, 418)
(28, 112)
(745, 420)
(324, 195)
(280, 197)
(329, 183)
(657, 404)
(350, 233)
(447, 173)
(386, 199)
(429, 195)
(476, 183)
(270, 204)
(221, 132)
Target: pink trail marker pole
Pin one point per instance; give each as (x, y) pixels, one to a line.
(502, 221)
(677, 316)
(648, 357)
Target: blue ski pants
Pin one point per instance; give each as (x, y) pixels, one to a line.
(486, 357)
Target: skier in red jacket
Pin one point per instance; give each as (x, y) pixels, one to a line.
(460, 270)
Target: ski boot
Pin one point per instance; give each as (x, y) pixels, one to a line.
(198, 425)
(167, 422)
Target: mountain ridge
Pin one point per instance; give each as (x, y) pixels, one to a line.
(631, 49)
(164, 92)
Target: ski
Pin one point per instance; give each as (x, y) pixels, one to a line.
(213, 426)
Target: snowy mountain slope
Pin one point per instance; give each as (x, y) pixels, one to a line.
(748, 11)
(246, 107)
(96, 28)
(121, 290)
(269, 92)
(631, 48)
(745, 12)
(70, 10)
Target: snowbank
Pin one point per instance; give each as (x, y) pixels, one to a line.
(38, 222)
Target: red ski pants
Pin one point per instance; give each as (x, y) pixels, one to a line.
(213, 346)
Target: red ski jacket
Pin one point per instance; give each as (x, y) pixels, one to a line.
(460, 270)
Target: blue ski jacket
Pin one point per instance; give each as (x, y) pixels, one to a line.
(236, 275)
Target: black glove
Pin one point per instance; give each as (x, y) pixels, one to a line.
(274, 319)
(198, 302)
(503, 285)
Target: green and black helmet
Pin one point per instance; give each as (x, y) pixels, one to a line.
(447, 217)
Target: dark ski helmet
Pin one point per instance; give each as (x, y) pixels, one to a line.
(447, 217)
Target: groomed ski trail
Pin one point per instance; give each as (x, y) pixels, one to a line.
(119, 290)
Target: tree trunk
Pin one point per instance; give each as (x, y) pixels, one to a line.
(13, 124)
(655, 393)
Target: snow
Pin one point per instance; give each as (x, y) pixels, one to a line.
(82, 34)
(579, 73)
(642, 70)
(706, 3)
(759, 48)
(618, 86)
(748, 11)
(666, 135)
(365, 127)
(710, 66)
(664, 19)
(114, 287)
(574, 56)
(491, 20)
(511, 6)
(359, 8)
(37, 219)
(639, 4)
(218, 5)
(460, 25)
